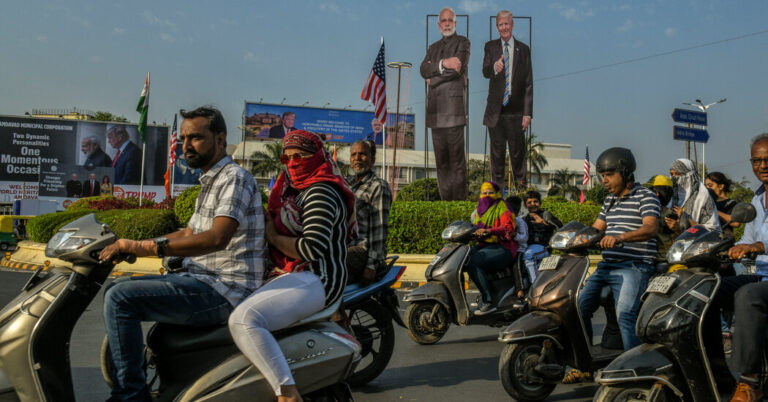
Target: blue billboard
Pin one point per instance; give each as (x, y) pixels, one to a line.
(265, 121)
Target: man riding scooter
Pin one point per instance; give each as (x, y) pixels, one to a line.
(629, 216)
(223, 242)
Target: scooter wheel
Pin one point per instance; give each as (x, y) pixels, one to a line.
(424, 327)
(372, 326)
(516, 372)
(643, 391)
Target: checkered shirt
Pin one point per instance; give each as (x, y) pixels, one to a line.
(236, 271)
(372, 201)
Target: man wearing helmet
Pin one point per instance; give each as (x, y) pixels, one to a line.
(629, 216)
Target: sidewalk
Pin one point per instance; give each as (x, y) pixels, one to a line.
(31, 256)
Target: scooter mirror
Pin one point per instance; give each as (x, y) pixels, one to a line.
(743, 213)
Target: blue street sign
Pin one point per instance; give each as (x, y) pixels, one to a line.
(689, 116)
(690, 134)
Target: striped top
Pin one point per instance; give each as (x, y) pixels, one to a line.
(626, 214)
(324, 239)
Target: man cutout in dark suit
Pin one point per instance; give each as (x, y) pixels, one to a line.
(509, 107)
(74, 187)
(280, 130)
(127, 161)
(445, 69)
(95, 157)
(91, 187)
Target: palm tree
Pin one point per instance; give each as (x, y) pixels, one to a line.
(561, 184)
(267, 162)
(535, 157)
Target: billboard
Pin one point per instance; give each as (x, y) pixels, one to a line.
(45, 157)
(270, 121)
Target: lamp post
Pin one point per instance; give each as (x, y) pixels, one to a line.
(704, 108)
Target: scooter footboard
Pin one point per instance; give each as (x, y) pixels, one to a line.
(536, 324)
(430, 291)
(646, 362)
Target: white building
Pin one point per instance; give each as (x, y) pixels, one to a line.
(411, 162)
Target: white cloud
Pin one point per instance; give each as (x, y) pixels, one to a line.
(250, 56)
(118, 31)
(670, 32)
(334, 8)
(626, 26)
(572, 13)
(95, 59)
(152, 19)
(42, 38)
(476, 6)
(167, 37)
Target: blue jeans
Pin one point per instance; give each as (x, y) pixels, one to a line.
(490, 258)
(173, 299)
(628, 280)
(531, 257)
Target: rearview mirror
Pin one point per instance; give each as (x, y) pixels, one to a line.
(743, 213)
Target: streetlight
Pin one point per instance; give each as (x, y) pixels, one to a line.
(281, 102)
(305, 103)
(326, 104)
(704, 108)
(347, 107)
(368, 106)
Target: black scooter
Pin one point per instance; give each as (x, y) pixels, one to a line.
(672, 362)
(443, 299)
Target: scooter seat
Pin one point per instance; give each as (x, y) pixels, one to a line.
(174, 339)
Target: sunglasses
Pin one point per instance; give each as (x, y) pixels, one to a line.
(295, 157)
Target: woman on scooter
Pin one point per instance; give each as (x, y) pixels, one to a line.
(496, 245)
(308, 223)
(698, 205)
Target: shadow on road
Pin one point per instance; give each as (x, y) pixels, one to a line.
(436, 374)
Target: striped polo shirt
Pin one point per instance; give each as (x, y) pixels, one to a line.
(626, 214)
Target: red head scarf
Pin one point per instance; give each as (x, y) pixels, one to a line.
(299, 175)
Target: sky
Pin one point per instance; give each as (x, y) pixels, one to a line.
(606, 73)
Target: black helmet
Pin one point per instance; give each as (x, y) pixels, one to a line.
(619, 160)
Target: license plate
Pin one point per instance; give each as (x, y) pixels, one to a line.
(661, 284)
(549, 263)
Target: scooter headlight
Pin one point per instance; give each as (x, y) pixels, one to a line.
(699, 248)
(675, 252)
(65, 242)
(560, 240)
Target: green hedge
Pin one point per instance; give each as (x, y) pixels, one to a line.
(415, 226)
(41, 228)
(134, 224)
(418, 189)
(185, 205)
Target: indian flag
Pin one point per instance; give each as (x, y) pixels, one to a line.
(143, 108)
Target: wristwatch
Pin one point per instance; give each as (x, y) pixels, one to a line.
(162, 246)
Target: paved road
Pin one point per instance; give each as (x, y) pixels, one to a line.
(462, 366)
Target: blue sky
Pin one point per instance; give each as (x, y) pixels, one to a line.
(94, 55)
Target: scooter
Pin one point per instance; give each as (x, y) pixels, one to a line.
(540, 344)
(191, 363)
(443, 299)
(370, 311)
(672, 362)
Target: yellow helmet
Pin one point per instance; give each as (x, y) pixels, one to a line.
(661, 180)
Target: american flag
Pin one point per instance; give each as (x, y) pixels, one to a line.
(375, 89)
(585, 180)
(174, 141)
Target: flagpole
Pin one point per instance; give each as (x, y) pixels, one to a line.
(141, 182)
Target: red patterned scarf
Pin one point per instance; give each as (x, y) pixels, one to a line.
(298, 175)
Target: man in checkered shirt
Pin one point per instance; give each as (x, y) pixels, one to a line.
(223, 245)
(365, 257)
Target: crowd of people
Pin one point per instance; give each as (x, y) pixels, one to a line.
(261, 268)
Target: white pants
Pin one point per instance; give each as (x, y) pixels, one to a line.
(276, 305)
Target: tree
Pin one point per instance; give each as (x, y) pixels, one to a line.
(561, 184)
(107, 116)
(535, 158)
(267, 162)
